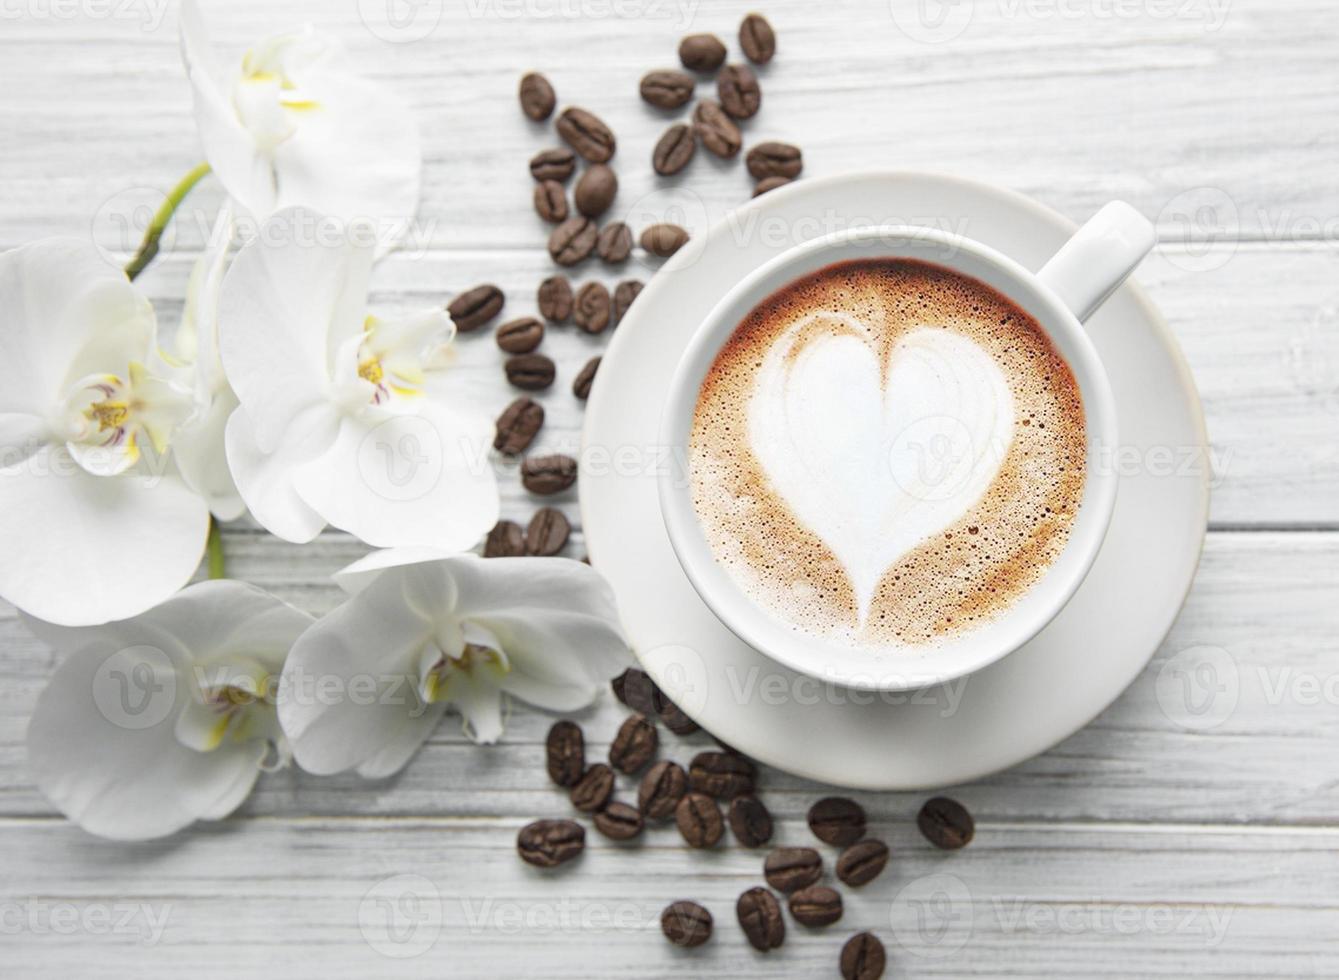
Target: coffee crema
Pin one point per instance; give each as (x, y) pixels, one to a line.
(887, 453)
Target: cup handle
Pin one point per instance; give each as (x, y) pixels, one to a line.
(1099, 258)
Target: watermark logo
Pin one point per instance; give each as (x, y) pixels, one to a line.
(401, 21)
(401, 459)
(681, 674)
(401, 917)
(1202, 224)
(148, 14)
(931, 21)
(136, 687)
(933, 916)
(1198, 688)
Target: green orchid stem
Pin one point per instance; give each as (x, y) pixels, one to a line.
(218, 561)
(149, 247)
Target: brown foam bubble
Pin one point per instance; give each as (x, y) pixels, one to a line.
(957, 579)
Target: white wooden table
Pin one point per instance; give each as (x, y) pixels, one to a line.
(1144, 845)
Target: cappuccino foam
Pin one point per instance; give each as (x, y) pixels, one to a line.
(887, 453)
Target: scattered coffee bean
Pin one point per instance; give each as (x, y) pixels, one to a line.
(757, 39)
(624, 293)
(520, 336)
(769, 184)
(946, 823)
(662, 788)
(862, 862)
(549, 843)
(517, 426)
(863, 957)
(749, 821)
(586, 133)
(773, 159)
(546, 475)
(674, 150)
(555, 299)
(537, 98)
(759, 916)
(737, 88)
(592, 309)
(817, 905)
(551, 201)
(698, 818)
(533, 372)
(634, 745)
(614, 244)
(716, 130)
(592, 791)
(702, 52)
(837, 820)
(721, 774)
(547, 533)
(789, 869)
(475, 307)
(674, 718)
(635, 689)
(686, 924)
(566, 753)
(585, 378)
(557, 164)
(618, 821)
(667, 89)
(572, 241)
(596, 190)
(506, 540)
(664, 240)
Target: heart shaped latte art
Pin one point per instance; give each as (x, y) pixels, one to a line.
(876, 458)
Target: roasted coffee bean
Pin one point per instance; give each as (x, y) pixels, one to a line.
(716, 130)
(592, 309)
(817, 905)
(546, 475)
(674, 718)
(624, 294)
(667, 89)
(789, 869)
(946, 823)
(769, 184)
(862, 862)
(517, 426)
(566, 753)
(664, 239)
(618, 821)
(585, 378)
(587, 134)
(634, 745)
(863, 957)
(702, 52)
(549, 843)
(837, 820)
(721, 774)
(686, 924)
(737, 88)
(614, 244)
(749, 821)
(592, 791)
(533, 372)
(506, 540)
(572, 241)
(596, 190)
(475, 307)
(520, 336)
(555, 299)
(557, 164)
(551, 201)
(635, 689)
(757, 39)
(759, 916)
(674, 150)
(698, 818)
(547, 533)
(537, 98)
(662, 788)
(774, 159)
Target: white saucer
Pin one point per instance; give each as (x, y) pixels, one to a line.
(978, 725)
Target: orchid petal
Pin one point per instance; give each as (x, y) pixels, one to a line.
(265, 480)
(200, 449)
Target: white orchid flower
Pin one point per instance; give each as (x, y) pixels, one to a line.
(153, 723)
(289, 125)
(366, 685)
(97, 524)
(344, 418)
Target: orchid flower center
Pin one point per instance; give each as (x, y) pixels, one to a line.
(394, 358)
(234, 702)
(474, 666)
(108, 419)
(267, 98)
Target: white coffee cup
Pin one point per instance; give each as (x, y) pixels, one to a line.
(1069, 289)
